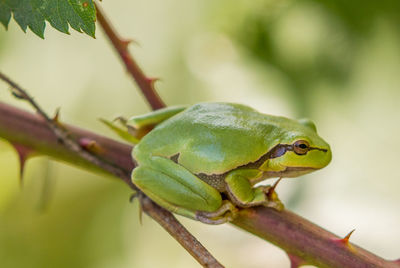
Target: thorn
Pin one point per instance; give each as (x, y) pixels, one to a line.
(271, 191)
(152, 80)
(295, 261)
(345, 241)
(23, 153)
(90, 145)
(56, 120)
(57, 116)
(16, 93)
(347, 237)
(126, 42)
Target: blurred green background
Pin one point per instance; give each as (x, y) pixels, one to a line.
(337, 62)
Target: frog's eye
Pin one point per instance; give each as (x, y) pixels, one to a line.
(301, 147)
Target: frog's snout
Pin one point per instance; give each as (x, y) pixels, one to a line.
(325, 157)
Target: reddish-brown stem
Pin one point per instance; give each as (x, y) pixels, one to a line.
(158, 213)
(305, 240)
(295, 235)
(145, 83)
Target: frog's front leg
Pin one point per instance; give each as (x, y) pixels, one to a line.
(175, 188)
(243, 194)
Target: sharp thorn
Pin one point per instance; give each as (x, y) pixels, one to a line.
(90, 145)
(272, 189)
(345, 241)
(16, 93)
(295, 261)
(152, 80)
(126, 42)
(57, 116)
(23, 154)
(347, 237)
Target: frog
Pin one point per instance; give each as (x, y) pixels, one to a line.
(205, 161)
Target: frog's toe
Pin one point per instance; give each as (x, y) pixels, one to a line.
(272, 200)
(275, 204)
(120, 119)
(226, 213)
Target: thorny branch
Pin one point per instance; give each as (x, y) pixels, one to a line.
(163, 217)
(145, 84)
(63, 135)
(305, 242)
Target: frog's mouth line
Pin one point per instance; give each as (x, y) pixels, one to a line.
(299, 168)
(288, 172)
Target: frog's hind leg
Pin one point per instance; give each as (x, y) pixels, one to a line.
(175, 188)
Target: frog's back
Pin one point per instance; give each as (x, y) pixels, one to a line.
(212, 138)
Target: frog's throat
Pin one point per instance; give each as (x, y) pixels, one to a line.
(288, 172)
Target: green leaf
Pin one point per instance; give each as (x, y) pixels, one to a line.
(79, 14)
(5, 15)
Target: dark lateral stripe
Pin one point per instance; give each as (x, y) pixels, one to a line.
(175, 158)
(277, 151)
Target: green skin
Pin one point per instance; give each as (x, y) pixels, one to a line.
(194, 154)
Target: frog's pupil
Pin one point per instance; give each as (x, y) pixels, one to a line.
(303, 146)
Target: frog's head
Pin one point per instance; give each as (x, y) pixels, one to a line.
(297, 151)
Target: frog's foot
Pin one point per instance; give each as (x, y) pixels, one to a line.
(261, 196)
(242, 193)
(272, 197)
(123, 131)
(226, 213)
(272, 200)
(124, 122)
(136, 131)
(121, 119)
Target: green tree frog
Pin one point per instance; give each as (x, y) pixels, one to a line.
(203, 161)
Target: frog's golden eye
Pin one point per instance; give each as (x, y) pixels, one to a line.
(301, 147)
